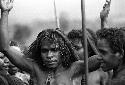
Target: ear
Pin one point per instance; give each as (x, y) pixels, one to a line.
(122, 52)
(120, 55)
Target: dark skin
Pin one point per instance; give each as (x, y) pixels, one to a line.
(60, 75)
(111, 61)
(99, 74)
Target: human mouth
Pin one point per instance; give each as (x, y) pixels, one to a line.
(105, 66)
(51, 62)
(5, 67)
(102, 65)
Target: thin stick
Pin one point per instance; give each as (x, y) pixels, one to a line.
(84, 43)
(92, 44)
(56, 17)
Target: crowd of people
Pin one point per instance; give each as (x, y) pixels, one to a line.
(56, 58)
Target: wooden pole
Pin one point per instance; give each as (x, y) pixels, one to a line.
(84, 41)
(56, 17)
(92, 44)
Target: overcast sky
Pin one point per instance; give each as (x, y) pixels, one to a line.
(29, 10)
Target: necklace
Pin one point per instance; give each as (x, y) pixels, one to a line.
(49, 78)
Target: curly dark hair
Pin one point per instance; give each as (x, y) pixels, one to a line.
(77, 34)
(115, 37)
(68, 55)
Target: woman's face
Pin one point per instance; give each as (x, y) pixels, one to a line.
(50, 54)
(4, 62)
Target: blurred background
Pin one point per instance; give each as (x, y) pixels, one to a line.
(29, 17)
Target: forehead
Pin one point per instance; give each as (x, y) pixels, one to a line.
(76, 40)
(49, 44)
(103, 44)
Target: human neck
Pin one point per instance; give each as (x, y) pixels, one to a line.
(51, 70)
(55, 70)
(118, 69)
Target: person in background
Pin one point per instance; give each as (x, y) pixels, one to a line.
(13, 70)
(111, 45)
(97, 77)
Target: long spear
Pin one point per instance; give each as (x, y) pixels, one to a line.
(56, 17)
(84, 41)
(92, 44)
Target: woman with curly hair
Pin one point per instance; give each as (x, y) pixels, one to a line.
(54, 61)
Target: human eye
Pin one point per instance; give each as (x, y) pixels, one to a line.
(102, 51)
(77, 47)
(44, 50)
(2, 57)
(54, 49)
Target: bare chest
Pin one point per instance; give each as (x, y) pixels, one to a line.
(62, 78)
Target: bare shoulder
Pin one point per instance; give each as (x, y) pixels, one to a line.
(15, 51)
(77, 68)
(19, 59)
(77, 65)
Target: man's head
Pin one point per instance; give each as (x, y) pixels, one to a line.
(50, 50)
(111, 47)
(76, 38)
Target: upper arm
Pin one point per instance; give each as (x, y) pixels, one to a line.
(13, 55)
(18, 59)
(77, 68)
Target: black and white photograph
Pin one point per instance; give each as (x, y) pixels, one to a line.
(62, 42)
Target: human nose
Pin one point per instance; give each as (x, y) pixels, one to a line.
(100, 58)
(1, 62)
(50, 54)
(6, 63)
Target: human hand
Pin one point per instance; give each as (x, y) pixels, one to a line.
(106, 8)
(6, 5)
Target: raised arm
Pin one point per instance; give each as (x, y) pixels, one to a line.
(78, 67)
(13, 55)
(104, 14)
(5, 7)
